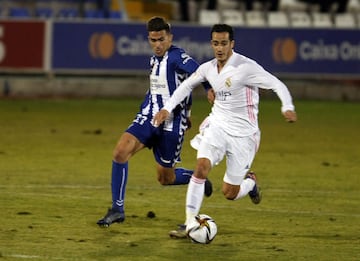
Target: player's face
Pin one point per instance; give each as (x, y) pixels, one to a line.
(160, 42)
(222, 46)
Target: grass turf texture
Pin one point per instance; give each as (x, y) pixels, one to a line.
(55, 159)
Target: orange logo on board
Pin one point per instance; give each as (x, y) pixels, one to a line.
(284, 50)
(101, 45)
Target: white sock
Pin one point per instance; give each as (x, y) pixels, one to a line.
(194, 197)
(246, 186)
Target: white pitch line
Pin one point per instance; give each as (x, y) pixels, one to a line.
(23, 256)
(32, 257)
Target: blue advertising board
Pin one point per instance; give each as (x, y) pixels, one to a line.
(123, 47)
(303, 51)
(104, 46)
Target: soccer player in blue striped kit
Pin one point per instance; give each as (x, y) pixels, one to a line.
(170, 66)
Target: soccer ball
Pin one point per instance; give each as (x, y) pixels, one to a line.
(202, 229)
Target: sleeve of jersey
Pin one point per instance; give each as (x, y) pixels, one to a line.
(189, 65)
(185, 62)
(183, 91)
(265, 80)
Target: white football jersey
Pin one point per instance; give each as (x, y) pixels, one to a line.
(235, 109)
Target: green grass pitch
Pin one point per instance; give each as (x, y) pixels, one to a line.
(55, 159)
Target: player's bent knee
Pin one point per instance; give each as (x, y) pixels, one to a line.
(165, 176)
(230, 195)
(119, 155)
(230, 191)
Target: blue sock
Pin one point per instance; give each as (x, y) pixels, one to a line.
(182, 176)
(119, 176)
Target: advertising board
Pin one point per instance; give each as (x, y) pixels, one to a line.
(22, 45)
(124, 47)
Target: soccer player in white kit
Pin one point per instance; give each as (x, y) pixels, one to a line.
(231, 128)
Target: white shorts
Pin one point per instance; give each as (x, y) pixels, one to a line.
(214, 144)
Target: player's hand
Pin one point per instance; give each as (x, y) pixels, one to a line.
(160, 117)
(211, 96)
(290, 116)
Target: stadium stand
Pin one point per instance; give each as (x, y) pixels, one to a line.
(278, 19)
(353, 6)
(255, 18)
(44, 12)
(68, 12)
(56, 9)
(321, 20)
(346, 20)
(116, 15)
(19, 12)
(90, 4)
(290, 13)
(94, 14)
(300, 19)
(209, 17)
(233, 17)
(292, 5)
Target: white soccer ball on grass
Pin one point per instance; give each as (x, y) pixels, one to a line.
(201, 229)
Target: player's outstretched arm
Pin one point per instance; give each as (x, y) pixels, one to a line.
(290, 116)
(160, 117)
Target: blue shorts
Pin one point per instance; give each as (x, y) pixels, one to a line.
(166, 145)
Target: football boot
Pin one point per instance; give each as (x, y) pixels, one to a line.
(112, 216)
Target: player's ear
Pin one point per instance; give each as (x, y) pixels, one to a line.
(232, 44)
(170, 37)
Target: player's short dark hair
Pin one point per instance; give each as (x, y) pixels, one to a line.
(221, 28)
(157, 24)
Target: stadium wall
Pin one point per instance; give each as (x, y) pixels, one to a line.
(77, 58)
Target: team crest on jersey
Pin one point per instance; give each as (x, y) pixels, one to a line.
(228, 82)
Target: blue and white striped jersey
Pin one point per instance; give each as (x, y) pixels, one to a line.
(166, 74)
